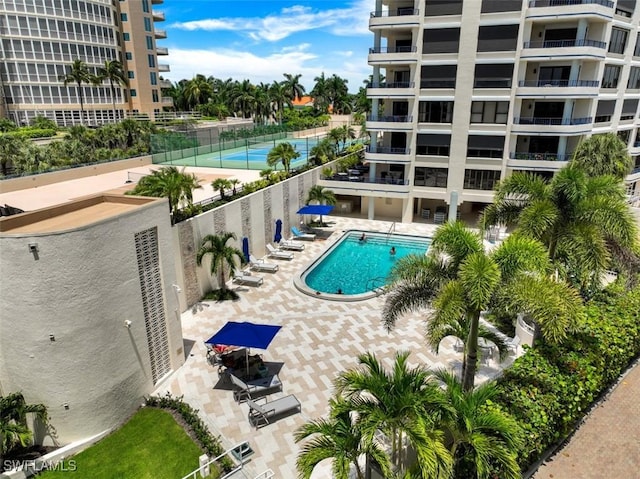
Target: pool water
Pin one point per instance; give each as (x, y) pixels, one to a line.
(357, 267)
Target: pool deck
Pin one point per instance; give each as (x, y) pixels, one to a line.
(318, 340)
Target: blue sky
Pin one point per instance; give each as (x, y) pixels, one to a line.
(261, 40)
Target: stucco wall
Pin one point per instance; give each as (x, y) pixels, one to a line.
(81, 289)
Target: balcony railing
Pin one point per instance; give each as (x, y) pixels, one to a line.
(396, 13)
(565, 44)
(442, 83)
(636, 144)
(391, 118)
(387, 150)
(561, 3)
(162, 50)
(540, 156)
(161, 33)
(397, 84)
(158, 16)
(559, 83)
(552, 121)
(365, 179)
(400, 49)
(163, 67)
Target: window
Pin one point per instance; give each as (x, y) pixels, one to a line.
(625, 8)
(128, 55)
(152, 61)
(493, 76)
(611, 76)
(481, 179)
(434, 8)
(493, 6)
(435, 112)
(149, 42)
(123, 17)
(634, 79)
(147, 24)
(433, 144)
(433, 177)
(480, 146)
(629, 108)
(636, 50)
(153, 76)
(145, 6)
(624, 135)
(438, 76)
(154, 96)
(618, 41)
(489, 112)
(126, 37)
(133, 93)
(441, 40)
(604, 111)
(498, 38)
(131, 75)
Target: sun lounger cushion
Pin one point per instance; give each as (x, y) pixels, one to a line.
(261, 413)
(243, 278)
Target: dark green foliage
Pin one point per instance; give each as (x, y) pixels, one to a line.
(221, 295)
(32, 132)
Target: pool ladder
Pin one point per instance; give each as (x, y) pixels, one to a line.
(391, 228)
(377, 285)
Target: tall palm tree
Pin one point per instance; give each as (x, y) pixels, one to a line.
(243, 97)
(402, 402)
(584, 221)
(321, 196)
(320, 94)
(12, 152)
(78, 73)
(604, 154)
(197, 91)
(483, 441)
(112, 70)
(283, 153)
(323, 152)
(339, 438)
(13, 421)
(278, 95)
(338, 93)
(221, 184)
(292, 85)
(222, 255)
(458, 281)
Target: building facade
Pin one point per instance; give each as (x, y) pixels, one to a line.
(466, 92)
(40, 39)
(90, 319)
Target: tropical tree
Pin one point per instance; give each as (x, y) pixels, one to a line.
(336, 135)
(321, 196)
(243, 98)
(197, 91)
(280, 98)
(171, 183)
(584, 221)
(78, 73)
(323, 152)
(234, 182)
(221, 184)
(113, 72)
(338, 94)
(14, 431)
(458, 280)
(402, 402)
(320, 94)
(12, 152)
(340, 438)
(601, 155)
(292, 85)
(222, 255)
(283, 153)
(482, 439)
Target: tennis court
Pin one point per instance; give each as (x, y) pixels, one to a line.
(252, 156)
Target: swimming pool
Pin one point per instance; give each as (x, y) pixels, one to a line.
(357, 268)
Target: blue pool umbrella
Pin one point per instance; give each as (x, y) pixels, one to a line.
(245, 248)
(278, 235)
(321, 210)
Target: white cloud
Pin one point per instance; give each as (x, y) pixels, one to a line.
(348, 21)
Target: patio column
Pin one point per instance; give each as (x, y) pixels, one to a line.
(453, 205)
(371, 210)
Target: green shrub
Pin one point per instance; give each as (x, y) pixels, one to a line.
(221, 295)
(30, 132)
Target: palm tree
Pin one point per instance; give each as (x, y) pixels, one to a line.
(283, 153)
(458, 280)
(12, 152)
(243, 98)
(221, 184)
(338, 93)
(234, 182)
(403, 402)
(222, 255)
(13, 421)
(278, 95)
(168, 182)
(292, 85)
(482, 440)
(584, 221)
(339, 438)
(78, 74)
(336, 134)
(113, 71)
(604, 154)
(197, 91)
(320, 93)
(322, 196)
(323, 152)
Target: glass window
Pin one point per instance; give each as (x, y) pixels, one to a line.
(481, 179)
(147, 24)
(441, 40)
(480, 146)
(611, 76)
(433, 144)
(131, 74)
(492, 6)
(493, 75)
(433, 177)
(145, 6)
(435, 112)
(133, 92)
(152, 61)
(153, 77)
(154, 96)
(498, 38)
(489, 112)
(634, 79)
(126, 36)
(128, 55)
(123, 17)
(636, 50)
(618, 41)
(434, 8)
(438, 76)
(149, 42)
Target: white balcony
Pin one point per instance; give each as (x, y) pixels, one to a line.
(162, 51)
(165, 84)
(160, 34)
(396, 18)
(393, 56)
(558, 88)
(379, 187)
(167, 101)
(162, 67)
(390, 122)
(386, 154)
(564, 49)
(158, 16)
(391, 90)
(551, 126)
(570, 8)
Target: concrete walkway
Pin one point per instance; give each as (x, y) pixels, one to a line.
(608, 443)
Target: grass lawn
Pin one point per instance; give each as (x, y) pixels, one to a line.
(150, 446)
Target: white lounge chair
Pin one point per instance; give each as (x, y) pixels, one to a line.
(263, 386)
(262, 413)
(244, 278)
(261, 265)
(275, 253)
(292, 245)
(297, 234)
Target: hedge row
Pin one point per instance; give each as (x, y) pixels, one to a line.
(29, 132)
(551, 388)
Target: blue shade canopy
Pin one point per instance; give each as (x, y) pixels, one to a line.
(248, 335)
(245, 248)
(315, 210)
(278, 235)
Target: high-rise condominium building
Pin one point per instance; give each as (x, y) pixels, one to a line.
(466, 92)
(40, 39)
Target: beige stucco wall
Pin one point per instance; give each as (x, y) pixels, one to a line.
(81, 289)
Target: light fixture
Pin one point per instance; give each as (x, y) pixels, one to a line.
(33, 249)
(52, 338)
(127, 323)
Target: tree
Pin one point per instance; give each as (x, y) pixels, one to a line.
(482, 439)
(279, 96)
(221, 184)
(243, 98)
(197, 91)
(292, 85)
(78, 74)
(222, 255)
(13, 421)
(282, 153)
(339, 438)
(171, 183)
(458, 280)
(322, 196)
(402, 402)
(320, 94)
(12, 152)
(234, 182)
(584, 222)
(113, 71)
(323, 152)
(601, 155)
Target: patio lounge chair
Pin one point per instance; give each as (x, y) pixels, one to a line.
(262, 413)
(302, 236)
(275, 253)
(292, 245)
(244, 278)
(256, 387)
(261, 265)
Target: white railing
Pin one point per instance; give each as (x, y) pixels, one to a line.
(268, 474)
(203, 467)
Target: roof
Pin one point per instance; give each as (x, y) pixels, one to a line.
(303, 101)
